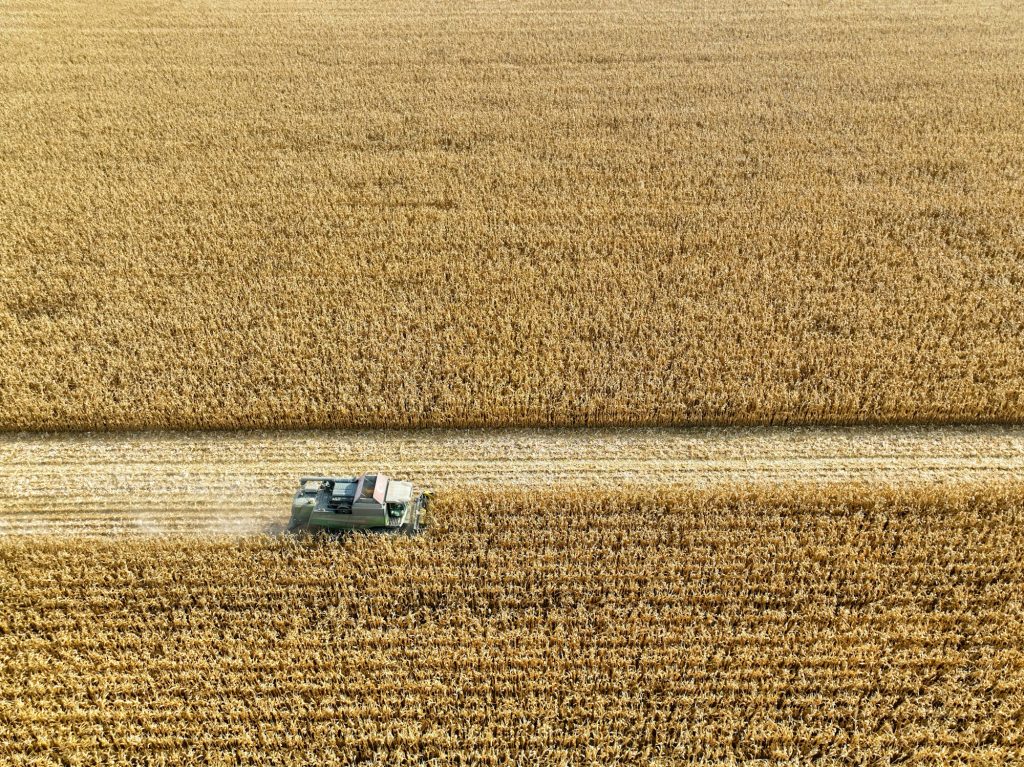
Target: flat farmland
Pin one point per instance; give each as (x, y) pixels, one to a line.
(241, 483)
(703, 320)
(832, 626)
(388, 214)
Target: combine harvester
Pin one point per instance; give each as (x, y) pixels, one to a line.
(370, 502)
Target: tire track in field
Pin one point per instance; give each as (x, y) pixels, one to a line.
(241, 482)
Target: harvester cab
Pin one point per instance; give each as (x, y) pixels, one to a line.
(369, 502)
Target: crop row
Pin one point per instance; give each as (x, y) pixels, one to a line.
(666, 627)
(412, 214)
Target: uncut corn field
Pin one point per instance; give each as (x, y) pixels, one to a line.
(828, 626)
(238, 214)
(705, 322)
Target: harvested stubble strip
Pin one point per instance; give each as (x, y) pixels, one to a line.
(841, 623)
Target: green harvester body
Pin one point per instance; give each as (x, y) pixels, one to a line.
(370, 502)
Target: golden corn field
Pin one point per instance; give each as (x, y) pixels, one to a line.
(813, 624)
(704, 320)
(235, 214)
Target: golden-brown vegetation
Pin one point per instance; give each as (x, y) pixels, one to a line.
(228, 214)
(806, 624)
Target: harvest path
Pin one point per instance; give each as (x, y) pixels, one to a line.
(241, 482)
